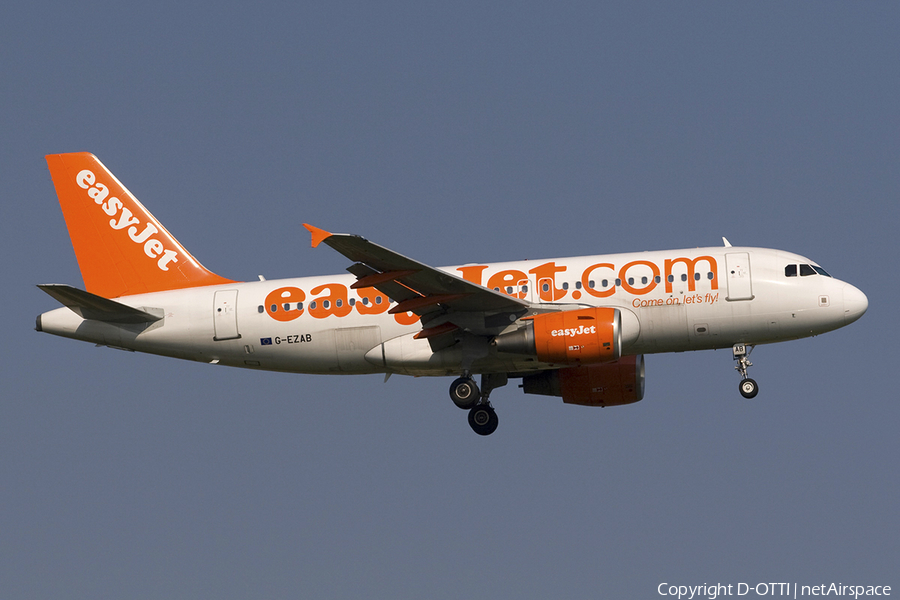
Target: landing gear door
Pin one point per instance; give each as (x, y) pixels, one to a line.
(225, 315)
(737, 266)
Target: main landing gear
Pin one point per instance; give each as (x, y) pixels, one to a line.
(466, 395)
(482, 419)
(748, 387)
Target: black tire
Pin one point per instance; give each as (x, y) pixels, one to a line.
(748, 388)
(464, 393)
(483, 420)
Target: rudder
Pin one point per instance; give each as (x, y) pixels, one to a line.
(120, 247)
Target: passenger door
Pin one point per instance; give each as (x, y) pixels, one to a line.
(737, 266)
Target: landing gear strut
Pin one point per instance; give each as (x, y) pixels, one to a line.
(466, 395)
(748, 387)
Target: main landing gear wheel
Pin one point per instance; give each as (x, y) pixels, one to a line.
(483, 420)
(464, 393)
(749, 389)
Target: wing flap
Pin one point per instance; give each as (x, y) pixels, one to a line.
(425, 304)
(375, 278)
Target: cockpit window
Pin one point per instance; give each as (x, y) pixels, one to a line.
(805, 271)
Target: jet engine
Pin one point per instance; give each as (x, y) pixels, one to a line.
(606, 384)
(572, 337)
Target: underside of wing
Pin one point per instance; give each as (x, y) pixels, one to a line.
(443, 301)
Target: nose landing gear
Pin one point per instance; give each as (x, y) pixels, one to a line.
(466, 395)
(748, 387)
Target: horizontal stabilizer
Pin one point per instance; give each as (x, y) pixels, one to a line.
(97, 308)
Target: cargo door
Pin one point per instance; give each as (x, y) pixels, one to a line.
(225, 315)
(737, 266)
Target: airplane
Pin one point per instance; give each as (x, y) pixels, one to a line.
(576, 328)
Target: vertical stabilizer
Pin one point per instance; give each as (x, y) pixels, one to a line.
(121, 248)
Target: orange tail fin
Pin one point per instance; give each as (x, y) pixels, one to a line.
(121, 249)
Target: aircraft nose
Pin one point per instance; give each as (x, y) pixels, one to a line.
(855, 304)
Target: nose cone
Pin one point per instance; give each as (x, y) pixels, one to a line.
(855, 304)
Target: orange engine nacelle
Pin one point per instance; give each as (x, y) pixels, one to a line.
(609, 384)
(572, 337)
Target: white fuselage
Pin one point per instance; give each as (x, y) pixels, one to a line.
(670, 301)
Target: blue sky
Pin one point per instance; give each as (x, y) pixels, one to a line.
(452, 134)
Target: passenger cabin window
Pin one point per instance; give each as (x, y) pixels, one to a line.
(790, 271)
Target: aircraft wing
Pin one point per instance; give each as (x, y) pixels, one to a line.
(416, 287)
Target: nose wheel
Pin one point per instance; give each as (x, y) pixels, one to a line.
(748, 387)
